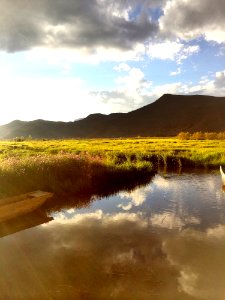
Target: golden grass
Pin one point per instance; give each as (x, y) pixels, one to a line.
(79, 165)
(112, 151)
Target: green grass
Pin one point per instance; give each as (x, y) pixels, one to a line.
(117, 151)
(89, 164)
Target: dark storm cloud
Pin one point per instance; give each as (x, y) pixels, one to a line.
(193, 18)
(74, 23)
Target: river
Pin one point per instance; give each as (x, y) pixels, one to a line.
(161, 241)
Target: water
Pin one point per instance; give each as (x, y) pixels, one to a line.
(163, 241)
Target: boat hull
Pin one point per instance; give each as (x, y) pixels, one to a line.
(22, 204)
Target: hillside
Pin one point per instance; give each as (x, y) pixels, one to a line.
(167, 116)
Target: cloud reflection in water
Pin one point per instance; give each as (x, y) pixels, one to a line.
(167, 244)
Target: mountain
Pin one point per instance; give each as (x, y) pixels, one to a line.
(167, 116)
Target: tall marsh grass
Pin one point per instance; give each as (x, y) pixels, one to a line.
(63, 166)
(64, 174)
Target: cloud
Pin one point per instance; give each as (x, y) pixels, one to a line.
(133, 83)
(63, 98)
(129, 92)
(214, 86)
(221, 51)
(136, 198)
(88, 219)
(198, 256)
(134, 90)
(128, 97)
(169, 88)
(126, 206)
(113, 101)
(122, 67)
(188, 19)
(96, 257)
(59, 56)
(81, 24)
(175, 73)
(220, 80)
(62, 218)
(171, 51)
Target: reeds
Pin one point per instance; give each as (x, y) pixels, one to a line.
(63, 166)
(64, 174)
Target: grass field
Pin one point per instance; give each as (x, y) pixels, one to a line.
(79, 165)
(117, 151)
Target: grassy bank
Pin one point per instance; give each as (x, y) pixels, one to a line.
(89, 166)
(68, 174)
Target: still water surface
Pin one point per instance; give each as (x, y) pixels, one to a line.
(163, 241)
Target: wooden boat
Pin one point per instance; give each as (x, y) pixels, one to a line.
(18, 205)
(222, 175)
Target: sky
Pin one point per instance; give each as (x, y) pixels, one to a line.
(62, 60)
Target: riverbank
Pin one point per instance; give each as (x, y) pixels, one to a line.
(69, 174)
(94, 165)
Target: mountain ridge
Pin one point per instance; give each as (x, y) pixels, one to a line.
(167, 116)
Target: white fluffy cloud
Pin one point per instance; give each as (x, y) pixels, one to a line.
(130, 89)
(214, 86)
(122, 67)
(188, 19)
(98, 215)
(135, 198)
(77, 55)
(175, 73)
(220, 80)
(133, 90)
(172, 51)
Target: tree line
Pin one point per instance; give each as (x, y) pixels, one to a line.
(199, 135)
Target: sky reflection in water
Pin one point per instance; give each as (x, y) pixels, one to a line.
(162, 241)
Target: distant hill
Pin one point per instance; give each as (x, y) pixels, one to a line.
(167, 116)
